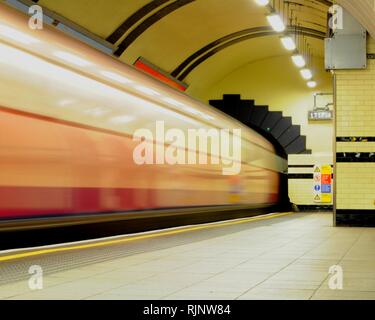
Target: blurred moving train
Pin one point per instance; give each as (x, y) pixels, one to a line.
(67, 116)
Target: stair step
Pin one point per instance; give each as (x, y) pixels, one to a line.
(232, 104)
(246, 110)
(291, 134)
(281, 127)
(260, 118)
(271, 119)
(297, 146)
(258, 115)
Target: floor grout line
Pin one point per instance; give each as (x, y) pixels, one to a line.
(309, 239)
(279, 270)
(338, 263)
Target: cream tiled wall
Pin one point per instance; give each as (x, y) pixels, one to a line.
(355, 186)
(355, 146)
(355, 112)
(300, 191)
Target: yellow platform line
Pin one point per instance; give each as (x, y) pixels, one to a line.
(134, 238)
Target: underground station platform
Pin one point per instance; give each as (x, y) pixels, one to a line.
(216, 151)
(276, 256)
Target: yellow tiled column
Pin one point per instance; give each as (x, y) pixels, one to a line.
(355, 146)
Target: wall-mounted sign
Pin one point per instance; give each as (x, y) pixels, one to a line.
(317, 193)
(322, 184)
(317, 115)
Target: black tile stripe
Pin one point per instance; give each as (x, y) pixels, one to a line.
(134, 19)
(359, 218)
(301, 166)
(303, 176)
(148, 23)
(300, 176)
(315, 207)
(227, 41)
(355, 157)
(355, 139)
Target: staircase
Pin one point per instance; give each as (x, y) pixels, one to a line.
(280, 130)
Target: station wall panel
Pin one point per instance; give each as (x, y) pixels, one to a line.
(355, 144)
(300, 179)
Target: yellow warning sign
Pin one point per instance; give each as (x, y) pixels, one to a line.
(326, 169)
(317, 169)
(326, 197)
(317, 198)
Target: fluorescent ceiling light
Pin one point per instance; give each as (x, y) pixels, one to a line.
(288, 43)
(299, 60)
(306, 74)
(116, 77)
(68, 57)
(312, 84)
(147, 91)
(276, 22)
(262, 2)
(16, 35)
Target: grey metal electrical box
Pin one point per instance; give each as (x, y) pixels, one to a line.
(347, 48)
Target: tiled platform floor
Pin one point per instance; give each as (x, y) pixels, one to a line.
(283, 258)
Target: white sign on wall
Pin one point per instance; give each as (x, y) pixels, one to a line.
(317, 193)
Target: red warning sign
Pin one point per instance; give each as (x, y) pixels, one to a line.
(326, 179)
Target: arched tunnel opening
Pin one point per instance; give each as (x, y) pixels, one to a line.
(272, 125)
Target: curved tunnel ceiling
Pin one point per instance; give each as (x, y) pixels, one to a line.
(187, 37)
(363, 11)
(200, 56)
